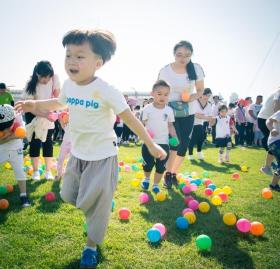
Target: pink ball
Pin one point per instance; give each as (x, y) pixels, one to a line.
(144, 198)
(187, 210)
(207, 181)
(151, 133)
(124, 213)
(193, 187)
(193, 204)
(187, 199)
(52, 116)
(50, 196)
(223, 196)
(243, 225)
(161, 228)
(127, 168)
(186, 189)
(208, 192)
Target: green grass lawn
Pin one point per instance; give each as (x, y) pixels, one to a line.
(50, 235)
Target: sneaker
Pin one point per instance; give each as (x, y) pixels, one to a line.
(145, 184)
(274, 187)
(174, 180)
(24, 201)
(167, 183)
(36, 175)
(190, 157)
(266, 170)
(89, 259)
(200, 156)
(49, 175)
(155, 189)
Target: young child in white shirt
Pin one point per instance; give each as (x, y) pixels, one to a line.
(158, 119)
(91, 175)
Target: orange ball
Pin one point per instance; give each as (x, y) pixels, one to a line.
(2, 133)
(185, 96)
(257, 228)
(10, 187)
(267, 193)
(20, 132)
(4, 204)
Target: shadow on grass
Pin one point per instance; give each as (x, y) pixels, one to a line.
(225, 239)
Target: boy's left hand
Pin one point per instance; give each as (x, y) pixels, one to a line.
(8, 135)
(157, 151)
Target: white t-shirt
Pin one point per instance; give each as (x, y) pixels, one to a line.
(157, 121)
(256, 109)
(276, 125)
(215, 109)
(92, 110)
(206, 111)
(222, 127)
(180, 82)
(267, 110)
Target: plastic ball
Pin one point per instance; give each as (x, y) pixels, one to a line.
(124, 213)
(257, 228)
(181, 186)
(85, 227)
(203, 242)
(151, 133)
(216, 200)
(144, 198)
(127, 168)
(244, 168)
(139, 160)
(173, 141)
(193, 187)
(161, 228)
(185, 96)
(187, 210)
(194, 174)
(160, 196)
(139, 175)
(135, 182)
(191, 218)
(243, 225)
(8, 166)
(187, 199)
(223, 196)
(121, 163)
(235, 176)
(212, 186)
(205, 174)
(3, 190)
(229, 219)
(217, 191)
(50, 196)
(113, 205)
(4, 204)
(204, 207)
(186, 189)
(193, 204)
(9, 187)
(267, 193)
(134, 167)
(154, 235)
(198, 182)
(227, 190)
(182, 223)
(208, 192)
(15, 126)
(207, 181)
(20, 132)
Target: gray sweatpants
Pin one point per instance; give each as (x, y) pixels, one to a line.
(90, 186)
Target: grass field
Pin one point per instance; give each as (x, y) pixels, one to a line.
(50, 235)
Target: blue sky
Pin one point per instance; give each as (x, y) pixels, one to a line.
(230, 39)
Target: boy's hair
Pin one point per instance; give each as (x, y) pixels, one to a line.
(223, 107)
(3, 86)
(160, 83)
(102, 42)
(231, 105)
(207, 91)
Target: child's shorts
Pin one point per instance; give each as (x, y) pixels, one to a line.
(274, 148)
(15, 158)
(223, 142)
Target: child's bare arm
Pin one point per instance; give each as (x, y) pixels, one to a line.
(8, 136)
(171, 129)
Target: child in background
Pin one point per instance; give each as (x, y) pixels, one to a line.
(118, 127)
(258, 135)
(158, 119)
(65, 146)
(91, 175)
(273, 124)
(11, 148)
(223, 139)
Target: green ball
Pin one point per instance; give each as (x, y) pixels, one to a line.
(3, 190)
(205, 174)
(85, 227)
(181, 186)
(139, 160)
(173, 141)
(203, 242)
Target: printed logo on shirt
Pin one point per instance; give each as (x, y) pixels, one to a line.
(165, 117)
(82, 102)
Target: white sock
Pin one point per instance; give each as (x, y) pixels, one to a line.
(23, 194)
(146, 180)
(91, 248)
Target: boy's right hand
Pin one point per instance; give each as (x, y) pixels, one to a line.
(25, 106)
(157, 151)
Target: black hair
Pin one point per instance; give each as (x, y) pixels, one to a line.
(160, 83)
(223, 107)
(6, 125)
(102, 42)
(231, 105)
(3, 86)
(43, 69)
(190, 66)
(259, 96)
(248, 98)
(207, 91)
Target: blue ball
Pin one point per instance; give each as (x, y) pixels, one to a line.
(182, 223)
(198, 182)
(153, 235)
(212, 186)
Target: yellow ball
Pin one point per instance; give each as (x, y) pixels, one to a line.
(140, 166)
(7, 166)
(122, 168)
(139, 175)
(127, 159)
(180, 176)
(229, 219)
(217, 191)
(216, 200)
(135, 182)
(204, 207)
(190, 217)
(160, 196)
(194, 175)
(244, 168)
(227, 190)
